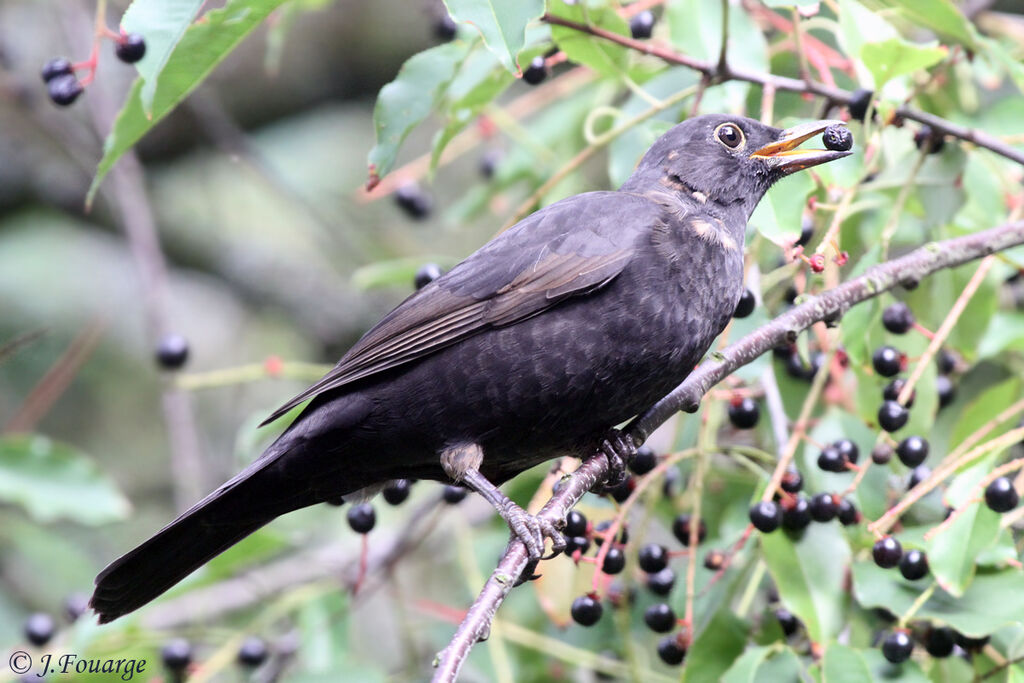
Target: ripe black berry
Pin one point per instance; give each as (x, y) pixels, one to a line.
(743, 414)
(945, 389)
(361, 518)
(39, 628)
(887, 552)
(892, 416)
(912, 451)
(427, 273)
(642, 25)
(614, 561)
(914, 565)
(670, 651)
(602, 527)
(252, 652)
(445, 27)
(536, 72)
(397, 491)
(681, 529)
(860, 100)
(806, 231)
(917, 475)
(831, 460)
(176, 654)
(653, 558)
(58, 66)
(413, 201)
(766, 516)
(946, 361)
(489, 161)
(897, 318)
(575, 524)
(796, 516)
(574, 543)
(848, 450)
(586, 610)
(454, 494)
(837, 138)
(63, 90)
(130, 48)
(887, 361)
(848, 513)
(787, 621)
(939, 642)
(643, 461)
(881, 454)
(897, 647)
(1000, 495)
(824, 507)
(892, 391)
(926, 139)
(660, 618)
(172, 351)
(662, 582)
(746, 304)
(623, 491)
(792, 481)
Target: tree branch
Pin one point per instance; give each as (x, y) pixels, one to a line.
(908, 269)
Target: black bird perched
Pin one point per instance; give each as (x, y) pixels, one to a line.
(535, 346)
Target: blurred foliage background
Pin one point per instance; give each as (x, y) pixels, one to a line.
(277, 261)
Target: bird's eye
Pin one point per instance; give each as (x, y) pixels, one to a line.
(730, 135)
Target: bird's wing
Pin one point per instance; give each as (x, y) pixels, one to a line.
(568, 249)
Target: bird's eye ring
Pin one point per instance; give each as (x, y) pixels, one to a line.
(730, 135)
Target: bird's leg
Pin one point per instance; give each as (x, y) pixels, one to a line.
(619, 448)
(462, 463)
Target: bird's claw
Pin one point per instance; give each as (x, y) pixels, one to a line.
(619, 448)
(532, 530)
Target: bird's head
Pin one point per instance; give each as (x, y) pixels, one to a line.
(729, 160)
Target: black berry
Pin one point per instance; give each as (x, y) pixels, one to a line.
(824, 507)
(411, 198)
(536, 72)
(887, 552)
(766, 516)
(897, 647)
(1000, 495)
(787, 621)
(681, 529)
(743, 414)
(624, 490)
(130, 48)
(586, 610)
(892, 416)
(831, 459)
(397, 491)
(887, 361)
(662, 582)
(602, 527)
(945, 389)
(927, 140)
(912, 451)
(445, 27)
(489, 161)
(172, 351)
(806, 231)
(792, 481)
(574, 543)
(746, 304)
(670, 651)
(946, 361)
(614, 561)
(642, 25)
(361, 518)
(63, 90)
(917, 475)
(860, 100)
(897, 318)
(848, 513)
(643, 461)
(252, 652)
(653, 558)
(660, 618)
(939, 642)
(58, 66)
(837, 138)
(575, 524)
(892, 391)
(427, 273)
(914, 565)
(797, 515)
(39, 628)
(454, 494)
(176, 654)
(848, 450)
(881, 454)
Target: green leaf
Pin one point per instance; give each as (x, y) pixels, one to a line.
(204, 46)
(941, 16)
(745, 669)
(395, 272)
(163, 23)
(600, 55)
(809, 588)
(764, 663)
(844, 665)
(980, 410)
(501, 23)
(404, 102)
(896, 57)
(858, 25)
(1005, 333)
(777, 216)
(54, 481)
(715, 648)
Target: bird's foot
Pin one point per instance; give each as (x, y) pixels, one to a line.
(619, 448)
(532, 530)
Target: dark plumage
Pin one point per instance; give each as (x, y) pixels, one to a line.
(535, 346)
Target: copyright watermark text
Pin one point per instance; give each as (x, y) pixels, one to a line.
(21, 663)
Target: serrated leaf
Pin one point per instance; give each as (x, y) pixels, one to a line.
(605, 57)
(501, 23)
(941, 16)
(54, 481)
(896, 57)
(204, 46)
(404, 102)
(844, 665)
(162, 23)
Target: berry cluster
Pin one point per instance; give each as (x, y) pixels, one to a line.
(64, 87)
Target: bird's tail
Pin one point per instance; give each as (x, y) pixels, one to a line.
(251, 499)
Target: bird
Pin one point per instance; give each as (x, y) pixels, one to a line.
(535, 346)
